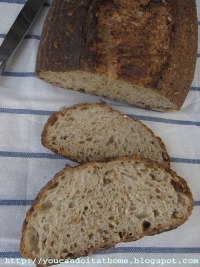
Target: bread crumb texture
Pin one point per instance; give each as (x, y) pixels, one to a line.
(97, 205)
(95, 132)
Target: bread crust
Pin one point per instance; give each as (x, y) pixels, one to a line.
(53, 118)
(162, 60)
(180, 182)
(177, 77)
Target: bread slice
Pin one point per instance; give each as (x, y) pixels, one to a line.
(94, 206)
(139, 51)
(95, 132)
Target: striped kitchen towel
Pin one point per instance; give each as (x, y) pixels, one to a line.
(25, 165)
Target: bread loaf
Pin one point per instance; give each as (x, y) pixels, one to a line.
(87, 208)
(142, 52)
(95, 132)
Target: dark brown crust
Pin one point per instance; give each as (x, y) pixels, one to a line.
(162, 59)
(176, 79)
(149, 164)
(55, 116)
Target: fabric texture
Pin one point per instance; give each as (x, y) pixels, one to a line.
(25, 165)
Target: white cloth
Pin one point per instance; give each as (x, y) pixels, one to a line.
(25, 165)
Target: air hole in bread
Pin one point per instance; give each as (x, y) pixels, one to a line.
(64, 251)
(111, 140)
(44, 242)
(120, 234)
(100, 204)
(46, 205)
(152, 176)
(111, 225)
(54, 185)
(159, 197)
(176, 215)
(71, 205)
(91, 236)
(105, 239)
(84, 108)
(34, 240)
(106, 181)
(156, 213)
(53, 138)
(100, 231)
(146, 225)
(89, 139)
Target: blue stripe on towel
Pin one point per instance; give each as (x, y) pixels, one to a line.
(195, 89)
(28, 202)
(117, 250)
(18, 74)
(26, 111)
(39, 155)
(33, 155)
(28, 36)
(140, 117)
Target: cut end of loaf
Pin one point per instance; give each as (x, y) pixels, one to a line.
(116, 90)
(96, 132)
(97, 205)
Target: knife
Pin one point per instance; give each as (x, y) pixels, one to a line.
(18, 30)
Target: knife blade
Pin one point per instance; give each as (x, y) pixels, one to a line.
(18, 30)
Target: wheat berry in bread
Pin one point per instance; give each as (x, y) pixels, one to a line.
(142, 52)
(95, 132)
(90, 207)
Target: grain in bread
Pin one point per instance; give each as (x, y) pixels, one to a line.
(142, 52)
(87, 208)
(95, 132)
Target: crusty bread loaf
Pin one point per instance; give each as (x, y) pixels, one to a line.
(139, 51)
(95, 132)
(94, 206)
